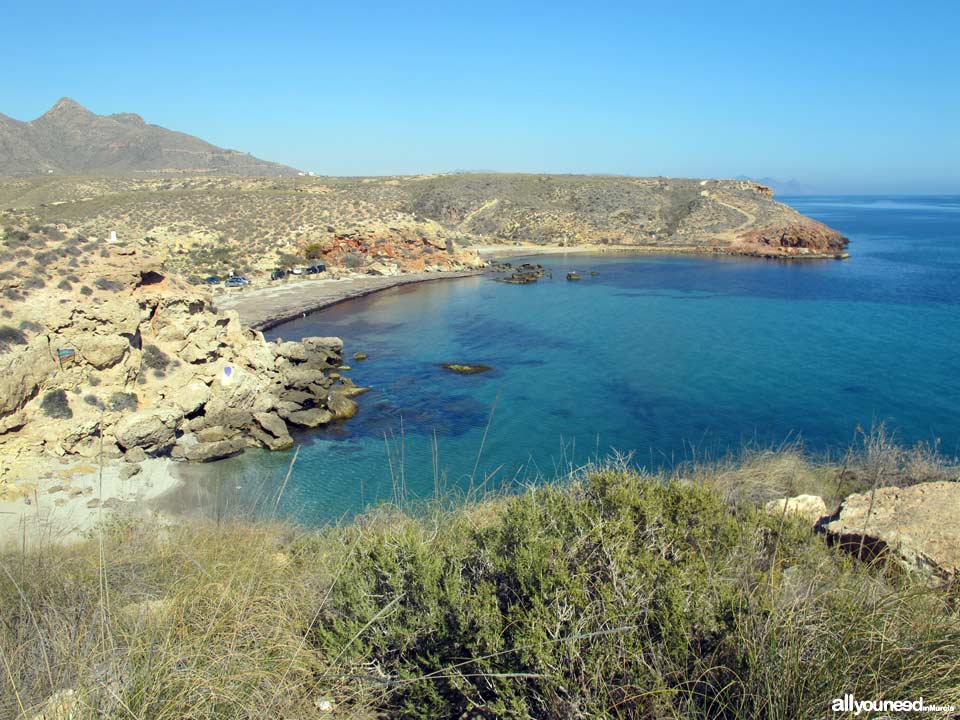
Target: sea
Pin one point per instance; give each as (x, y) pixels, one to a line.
(651, 360)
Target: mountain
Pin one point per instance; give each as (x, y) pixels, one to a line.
(70, 140)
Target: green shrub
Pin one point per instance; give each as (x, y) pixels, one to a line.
(616, 595)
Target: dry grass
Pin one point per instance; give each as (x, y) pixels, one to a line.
(613, 594)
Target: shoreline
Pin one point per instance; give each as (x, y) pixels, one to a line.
(264, 308)
(267, 307)
(65, 502)
(503, 252)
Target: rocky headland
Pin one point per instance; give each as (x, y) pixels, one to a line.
(104, 357)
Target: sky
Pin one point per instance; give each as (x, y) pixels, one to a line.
(841, 97)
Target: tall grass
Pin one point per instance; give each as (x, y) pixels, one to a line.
(612, 594)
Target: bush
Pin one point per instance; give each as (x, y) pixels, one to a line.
(617, 595)
(86, 290)
(154, 358)
(106, 284)
(10, 336)
(56, 405)
(93, 400)
(122, 401)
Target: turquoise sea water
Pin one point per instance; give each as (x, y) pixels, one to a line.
(659, 356)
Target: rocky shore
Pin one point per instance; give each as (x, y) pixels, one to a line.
(116, 363)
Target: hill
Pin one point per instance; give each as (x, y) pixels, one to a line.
(208, 225)
(69, 139)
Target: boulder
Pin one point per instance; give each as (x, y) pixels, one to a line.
(150, 429)
(128, 471)
(190, 397)
(297, 396)
(808, 507)
(135, 455)
(209, 451)
(333, 344)
(271, 442)
(285, 408)
(22, 372)
(215, 433)
(195, 354)
(300, 376)
(314, 417)
(291, 351)
(341, 406)
(916, 527)
(272, 423)
(103, 351)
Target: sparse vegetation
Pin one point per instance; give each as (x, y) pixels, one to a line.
(123, 401)
(613, 595)
(56, 405)
(10, 336)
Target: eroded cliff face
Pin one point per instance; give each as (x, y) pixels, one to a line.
(101, 352)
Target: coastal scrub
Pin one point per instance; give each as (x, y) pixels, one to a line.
(614, 594)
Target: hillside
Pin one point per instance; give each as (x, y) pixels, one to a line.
(69, 139)
(205, 225)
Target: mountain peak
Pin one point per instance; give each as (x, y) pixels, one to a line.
(66, 106)
(70, 139)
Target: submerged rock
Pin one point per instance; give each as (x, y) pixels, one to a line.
(465, 369)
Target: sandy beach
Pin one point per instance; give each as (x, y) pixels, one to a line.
(266, 307)
(65, 502)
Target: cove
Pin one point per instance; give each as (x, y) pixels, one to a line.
(660, 357)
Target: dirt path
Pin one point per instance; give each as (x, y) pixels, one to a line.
(267, 307)
(750, 219)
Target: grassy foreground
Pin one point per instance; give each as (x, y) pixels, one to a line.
(612, 595)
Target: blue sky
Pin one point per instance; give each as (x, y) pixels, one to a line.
(841, 96)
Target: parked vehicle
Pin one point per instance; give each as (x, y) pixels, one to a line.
(297, 270)
(278, 274)
(213, 280)
(315, 269)
(236, 281)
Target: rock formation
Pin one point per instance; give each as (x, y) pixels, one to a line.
(100, 352)
(916, 527)
(808, 507)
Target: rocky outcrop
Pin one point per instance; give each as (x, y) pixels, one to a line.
(916, 527)
(151, 430)
(809, 507)
(148, 363)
